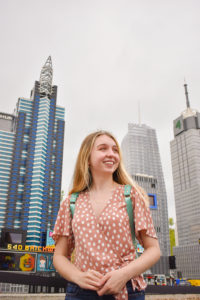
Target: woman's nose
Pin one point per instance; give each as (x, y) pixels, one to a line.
(110, 152)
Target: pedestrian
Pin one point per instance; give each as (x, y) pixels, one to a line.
(105, 264)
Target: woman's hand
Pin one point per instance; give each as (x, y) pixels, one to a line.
(112, 283)
(89, 280)
(86, 280)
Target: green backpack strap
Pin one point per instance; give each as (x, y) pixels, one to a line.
(129, 207)
(73, 198)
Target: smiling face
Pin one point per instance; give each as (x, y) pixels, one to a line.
(104, 157)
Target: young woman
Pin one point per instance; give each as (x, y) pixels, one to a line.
(105, 265)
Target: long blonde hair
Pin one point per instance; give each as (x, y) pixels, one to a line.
(82, 178)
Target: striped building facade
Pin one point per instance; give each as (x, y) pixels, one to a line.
(7, 138)
(32, 154)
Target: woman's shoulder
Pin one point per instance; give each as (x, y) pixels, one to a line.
(126, 187)
(64, 203)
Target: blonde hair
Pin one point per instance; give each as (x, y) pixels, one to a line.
(82, 178)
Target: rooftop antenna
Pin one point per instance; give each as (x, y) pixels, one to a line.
(186, 95)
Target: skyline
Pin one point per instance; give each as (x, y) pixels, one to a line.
(106, 58)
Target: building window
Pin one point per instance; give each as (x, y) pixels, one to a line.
(153, 201)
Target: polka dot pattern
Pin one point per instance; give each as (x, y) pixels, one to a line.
(104, 243)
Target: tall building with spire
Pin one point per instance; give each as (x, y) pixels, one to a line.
(31, 150)
(185, 157)
(142, 160)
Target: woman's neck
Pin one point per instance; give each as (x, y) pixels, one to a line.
(101, 183)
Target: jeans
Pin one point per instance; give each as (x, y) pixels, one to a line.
(74, 292)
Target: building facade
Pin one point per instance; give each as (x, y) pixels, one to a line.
(185, 157)
(31, 149)
(142, 161)
(7, 138)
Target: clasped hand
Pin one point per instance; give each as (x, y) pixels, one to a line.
(110, 283)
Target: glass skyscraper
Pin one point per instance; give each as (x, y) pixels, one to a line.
(185, 156)
(142, 160)
(31, 151)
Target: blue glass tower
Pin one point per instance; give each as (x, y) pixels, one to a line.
(34, 153)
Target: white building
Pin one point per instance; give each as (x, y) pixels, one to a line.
(142, 160)
(185, 156)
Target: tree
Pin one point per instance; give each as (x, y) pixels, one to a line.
(171, 235)
(171, 222)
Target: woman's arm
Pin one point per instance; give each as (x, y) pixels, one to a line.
(87, 280)
(147, 259)
(115, 280)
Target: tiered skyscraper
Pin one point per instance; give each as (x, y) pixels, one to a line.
(31, 151)
(142, 161)
(185, 156)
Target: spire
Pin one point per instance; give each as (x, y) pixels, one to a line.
(186, 94)
(188, 112)
(46, 76)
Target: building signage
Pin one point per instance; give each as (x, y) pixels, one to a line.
(30, 248)
(26, 262)
(178, 125)
(45, 263)
(6, 116)
(49, 240)
(16, 261)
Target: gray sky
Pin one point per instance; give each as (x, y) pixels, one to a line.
(107, 55)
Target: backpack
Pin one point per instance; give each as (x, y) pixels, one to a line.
(129, 207)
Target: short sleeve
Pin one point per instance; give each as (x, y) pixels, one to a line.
(63, 224)
(142, 216)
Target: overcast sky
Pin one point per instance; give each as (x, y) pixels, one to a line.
(107, 56)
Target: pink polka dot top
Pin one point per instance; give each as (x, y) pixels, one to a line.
(104, 243)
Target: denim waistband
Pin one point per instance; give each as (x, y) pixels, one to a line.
(73, 290)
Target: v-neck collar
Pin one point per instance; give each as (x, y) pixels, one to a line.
(106, 204)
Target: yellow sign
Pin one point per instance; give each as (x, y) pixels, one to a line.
(31, 248)
(27, 262)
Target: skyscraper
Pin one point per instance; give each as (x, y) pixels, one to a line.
(142, 161)
(185, 156)
(31, 149)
